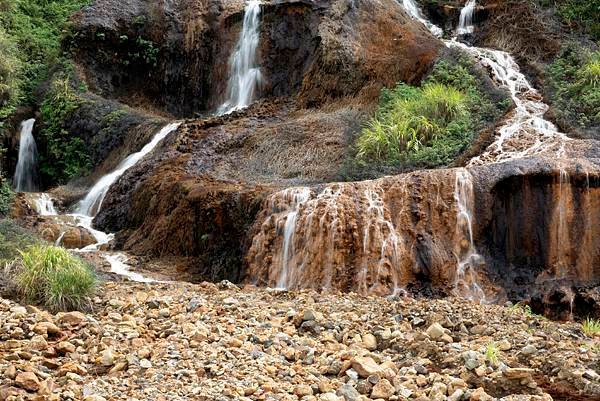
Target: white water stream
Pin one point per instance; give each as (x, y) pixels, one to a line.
(25, 179)
(465, 22)
(92, 203)
(524, 133)
(244, 72)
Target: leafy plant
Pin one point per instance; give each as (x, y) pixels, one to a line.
(591, 327)
(491, 353)
(53, 277)
(522, 308)
(6, 196)
(65, 155)
(574, 87)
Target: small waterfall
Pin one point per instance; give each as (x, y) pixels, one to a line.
(92, 202)
(465, 22)
(468, 260)
(411, 7)
(44, 205)
(244, 72)
(297, 197)
(25, 179)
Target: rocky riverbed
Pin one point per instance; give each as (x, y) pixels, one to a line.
(181, 341)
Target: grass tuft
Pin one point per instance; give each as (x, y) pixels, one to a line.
(591, 327)
(491, 353)
(54, 278)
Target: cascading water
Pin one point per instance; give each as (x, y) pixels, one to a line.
(244, 74)
(411, 7)
(466, 283)
(465, 22)
(92, 202)
(25, 179)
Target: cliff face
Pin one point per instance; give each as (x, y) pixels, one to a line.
(174, 56)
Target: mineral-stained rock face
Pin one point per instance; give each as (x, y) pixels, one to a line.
(199, 191)
(534, 221)
(174, 56)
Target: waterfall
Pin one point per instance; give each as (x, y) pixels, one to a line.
(44, 205)
(465, 23)
(244, 72)
(411, 7)
(468, 260)
(25, 179)
(92, 202)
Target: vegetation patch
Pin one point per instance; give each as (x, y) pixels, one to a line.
(65, 155)
(6, 197)
(428, 126)
(12, 238)
(53, 277)
(573, 81)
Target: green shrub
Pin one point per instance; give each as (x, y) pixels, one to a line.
(428, 126)
(10, 68)
(6, 196)
(583, 14)
(65, 155)
(54, 278)
(574, 86)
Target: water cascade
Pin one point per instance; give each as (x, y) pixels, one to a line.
(468, 260)
(92, 202)
(25, 179)
(465, 22)
(44, 205)
(411, 7)
(244, 72)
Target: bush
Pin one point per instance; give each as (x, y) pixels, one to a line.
(65, 155)
(6, 196)
(574, 87)
(582, 14)
(10, 67)
(427, 126)
(53, 277)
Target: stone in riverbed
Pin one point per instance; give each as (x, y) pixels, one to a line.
(348, 392)
(27, 381)
(365, 366)
(369, 341)
(383, 389)
(435, 331)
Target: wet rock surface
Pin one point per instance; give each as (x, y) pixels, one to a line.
(182, 341)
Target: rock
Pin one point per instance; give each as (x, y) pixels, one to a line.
(145, 364)
(518, 373)
(38, 343)
(383, 389)
(302, 390)
(72, 319)
(46, 328)
(107, 357)
(64, 347)
(528, 350)
(504, 345)
(27, 381)
(94, 398)
(230, 301)
(369, 342)
(435, 331)
(365, 366)
(480, 395)
(10, 372)
(348, 392)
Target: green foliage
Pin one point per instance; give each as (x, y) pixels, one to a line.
(35, 27)
(584, 14)
(54, 278)
(591, 327)
(574, 86)
(13, 237)
(10, 68)
(427, 126)
(491, 353)
(65, 156)
(6, 196)
(522, 308)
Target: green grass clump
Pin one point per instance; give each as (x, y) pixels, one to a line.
(13, 237)
(54, 278)
(591, 327)
(574, 86)
(427, 126)
(491, 353)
